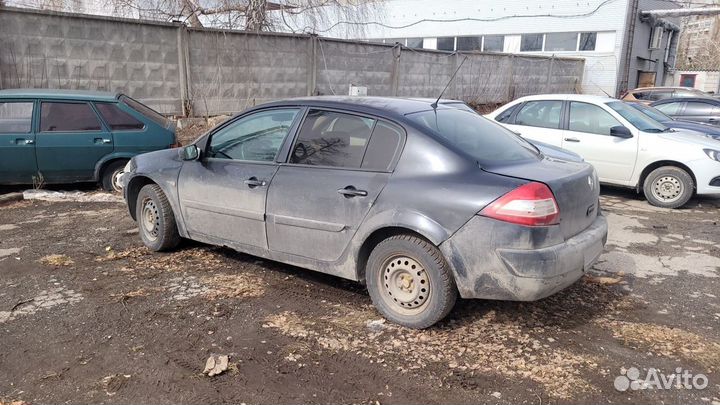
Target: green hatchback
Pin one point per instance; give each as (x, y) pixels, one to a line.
(64, 136)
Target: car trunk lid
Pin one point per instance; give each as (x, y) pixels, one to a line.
(574, 185)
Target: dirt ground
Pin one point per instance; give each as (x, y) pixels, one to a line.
(88, 315)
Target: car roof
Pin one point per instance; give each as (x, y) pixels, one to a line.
(709, 100)
(660, 88)
(572, 97)
(381, 106)
(84, 95)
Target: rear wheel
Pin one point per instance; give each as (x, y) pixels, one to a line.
(668, 187)
(112, 176)
(410, 282)
(155, 219)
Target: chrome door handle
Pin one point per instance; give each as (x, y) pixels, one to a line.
(29, 142)
(253, 182)
(351, 191)
(103, 140)
(18, 141)
(572, 139)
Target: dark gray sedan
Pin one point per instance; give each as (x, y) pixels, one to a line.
(422, 204)
(698, 109)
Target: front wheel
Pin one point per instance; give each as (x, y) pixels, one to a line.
(409, 281)
(668, 187)
(155, 219)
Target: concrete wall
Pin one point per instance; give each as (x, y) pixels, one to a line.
(75, 52)
(209, 72)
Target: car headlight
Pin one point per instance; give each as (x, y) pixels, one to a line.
(129, 166)
(713, 154)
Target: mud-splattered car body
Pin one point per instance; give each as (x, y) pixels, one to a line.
(329, 219)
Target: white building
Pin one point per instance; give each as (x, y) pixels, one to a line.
(621, 49)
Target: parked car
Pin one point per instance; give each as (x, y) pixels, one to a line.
(64, 136)
(627, 147)
(647, 95)
(677, 123)
(698, 109)
(420, 203)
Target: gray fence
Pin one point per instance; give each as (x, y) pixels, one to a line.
(184, 71)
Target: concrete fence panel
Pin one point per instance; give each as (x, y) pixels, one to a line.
(182, 71)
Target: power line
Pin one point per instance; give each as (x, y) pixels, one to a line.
(465, 19)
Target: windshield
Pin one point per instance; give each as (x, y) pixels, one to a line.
(651, 112)
(637, 119)
(476, 136)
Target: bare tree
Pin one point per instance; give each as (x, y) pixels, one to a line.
(256, 15)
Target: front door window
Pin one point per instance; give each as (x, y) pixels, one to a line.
(257, 137)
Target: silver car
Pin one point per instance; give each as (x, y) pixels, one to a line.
(420, 202)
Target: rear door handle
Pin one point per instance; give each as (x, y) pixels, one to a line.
(351, 191)
(253, 182)
(103, 140)
(572, 139)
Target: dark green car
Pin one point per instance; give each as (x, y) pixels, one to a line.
(64, 136)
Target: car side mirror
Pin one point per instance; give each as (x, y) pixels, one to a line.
(190, 152)
(620, 131)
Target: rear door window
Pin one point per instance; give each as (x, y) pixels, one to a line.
(68, 117)
(15, 117)
(590, 118)
(384, 145)
(700, 109)
(544, 114)
(334, 139)
(117, 119)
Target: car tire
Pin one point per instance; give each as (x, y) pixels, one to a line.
(111, 176)
(668, 187)
(155, 219)
(410, 282)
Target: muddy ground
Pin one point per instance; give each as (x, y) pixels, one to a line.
(88, 315)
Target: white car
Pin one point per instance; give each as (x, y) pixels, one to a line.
(626, 147)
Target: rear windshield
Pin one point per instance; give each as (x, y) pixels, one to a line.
(639, 120)
(146, 111)
(476, 136)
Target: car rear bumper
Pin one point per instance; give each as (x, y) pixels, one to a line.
(495, 260)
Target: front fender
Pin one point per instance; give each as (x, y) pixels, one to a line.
(162, 168)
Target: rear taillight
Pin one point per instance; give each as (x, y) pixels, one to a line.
(532, 204)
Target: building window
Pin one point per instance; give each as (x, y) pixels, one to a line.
(587, 41)
(564, 41)
(392, 41)
(656, 38)
(469, 43)
(531, 43)
(493, 43)
(687, 80)
(446, 43)
(414, 42)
